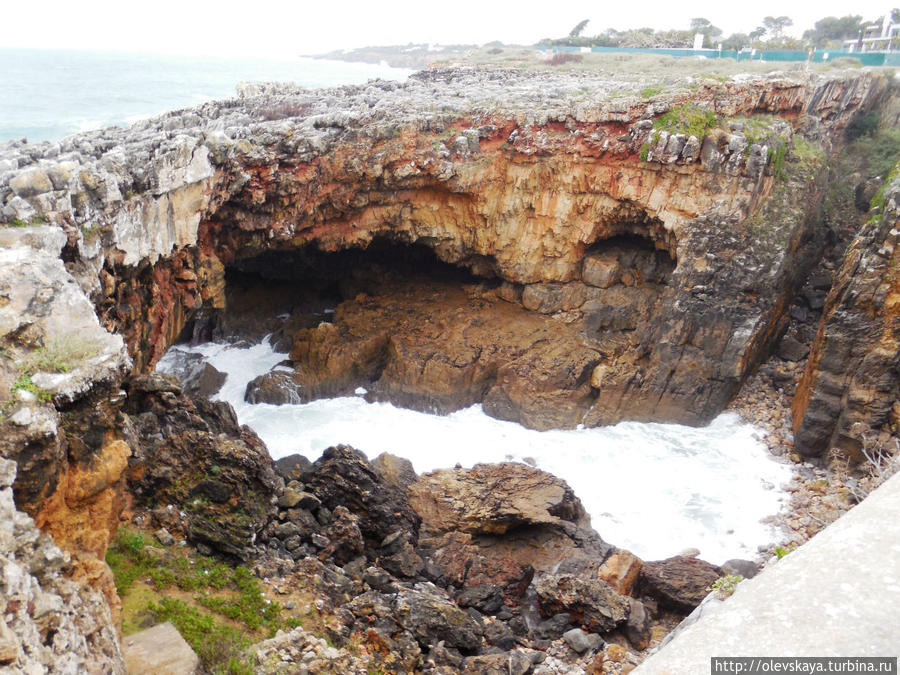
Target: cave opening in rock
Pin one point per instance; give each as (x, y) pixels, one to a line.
(280, 291)
(630, 259)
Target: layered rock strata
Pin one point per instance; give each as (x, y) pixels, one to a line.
(513, 175)
(849, 388)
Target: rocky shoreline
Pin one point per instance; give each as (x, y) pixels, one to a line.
(665, 234)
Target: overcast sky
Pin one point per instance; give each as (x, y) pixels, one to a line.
(281, 28)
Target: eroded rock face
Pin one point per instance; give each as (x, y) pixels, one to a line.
(850, 383)
(49, 623)
(523, 191)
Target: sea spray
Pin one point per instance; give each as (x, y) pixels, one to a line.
(655, 489)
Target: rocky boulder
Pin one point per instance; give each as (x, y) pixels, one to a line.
(343, 477)
(494, 499)
(679, 583)
(454, 560)
(423, 610)
(589, 602)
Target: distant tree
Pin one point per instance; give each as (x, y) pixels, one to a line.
(833, 29)
(701, 25)
(757, 33)
(579, 27)
(776, 25)
(736, 41)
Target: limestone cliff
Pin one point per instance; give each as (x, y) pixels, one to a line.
(630, 258)
(523, 178)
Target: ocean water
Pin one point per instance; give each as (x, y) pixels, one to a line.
(48, 94)
(655, 489)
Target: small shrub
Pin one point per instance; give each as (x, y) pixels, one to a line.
(686, 119)
(863, 125)
(649, 92)
(645, 152)
(559, 58)
(214, 642)
(776, 159)
(725, 586)
(228, 593)
(26, 384)
(781, 551)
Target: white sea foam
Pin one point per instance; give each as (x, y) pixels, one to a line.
(654, 489)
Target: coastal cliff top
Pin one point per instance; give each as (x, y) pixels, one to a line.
(263, 112)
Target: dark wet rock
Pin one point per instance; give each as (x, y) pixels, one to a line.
(431, 616)
(303, 521)
(791, 349)
(637, 628)
(292, 467)
(377, 578)
(554, 627)
(485, 598)
(343, 477)
(404, 562)
(589, 601)
(213, 490)
(294, 496)
(277, 387)
(198, 377)
(193, 455)
(737, 567)
(356, 568)
(425, 611)
(346, 541)
(498, 634)
(678, 583)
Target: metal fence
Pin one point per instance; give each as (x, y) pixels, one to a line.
(817, 56)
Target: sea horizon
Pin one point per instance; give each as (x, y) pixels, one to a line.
(48, 94)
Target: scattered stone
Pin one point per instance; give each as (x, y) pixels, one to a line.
(581, 642)
(163, 537)
(744, 568)
(791, 349)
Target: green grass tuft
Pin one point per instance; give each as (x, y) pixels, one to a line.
(649, 92)
(687, 119)
(219, 610)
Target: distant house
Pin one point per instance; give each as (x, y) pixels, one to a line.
(876, 37)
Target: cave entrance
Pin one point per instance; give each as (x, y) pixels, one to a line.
(281, 291)
(628, 259)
